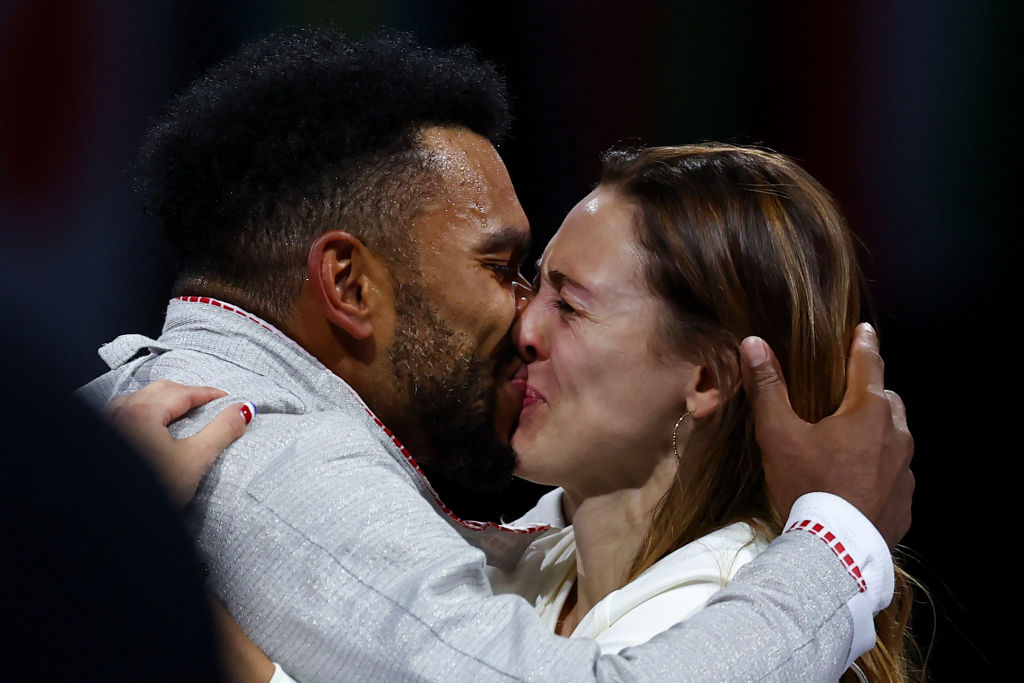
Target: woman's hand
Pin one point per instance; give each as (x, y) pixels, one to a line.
(142, 417)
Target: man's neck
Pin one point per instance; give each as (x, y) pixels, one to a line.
(364, 366)
(357, 362)
(194, 285)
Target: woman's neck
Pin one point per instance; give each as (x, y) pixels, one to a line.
(610, 529)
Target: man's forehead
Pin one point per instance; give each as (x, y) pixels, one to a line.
(456, 152)
(472, 189)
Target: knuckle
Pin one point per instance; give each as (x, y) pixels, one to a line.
(867, 346)
(871, 353)
(901, 445)
(236, 428)
(876, 395)
(876, 403)
(134, 412)
(766, 379)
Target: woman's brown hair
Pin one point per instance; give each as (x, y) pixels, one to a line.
(741, 241)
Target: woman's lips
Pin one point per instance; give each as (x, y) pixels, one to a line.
(531, 396)
(526, 393)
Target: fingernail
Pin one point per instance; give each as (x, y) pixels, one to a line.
(248, 411)
(754, 351)
(868, 329)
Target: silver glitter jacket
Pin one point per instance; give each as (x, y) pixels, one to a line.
(333, 554)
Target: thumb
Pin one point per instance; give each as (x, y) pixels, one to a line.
(764, 383)
(865, 369)
(221, 432)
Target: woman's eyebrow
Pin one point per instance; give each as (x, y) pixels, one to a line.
(558, 278)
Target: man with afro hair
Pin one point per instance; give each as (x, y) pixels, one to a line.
(348, 244)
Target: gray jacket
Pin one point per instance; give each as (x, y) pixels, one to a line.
(331, 551)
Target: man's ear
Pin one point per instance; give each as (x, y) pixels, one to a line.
(341, 270)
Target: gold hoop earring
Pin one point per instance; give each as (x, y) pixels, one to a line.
(675, 429)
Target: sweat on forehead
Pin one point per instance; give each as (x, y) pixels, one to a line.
(468, 184)
(460, 159)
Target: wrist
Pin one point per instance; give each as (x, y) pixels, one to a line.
(861, 550)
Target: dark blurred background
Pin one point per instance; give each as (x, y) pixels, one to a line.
(904, 109)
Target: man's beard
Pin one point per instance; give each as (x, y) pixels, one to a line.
(452, 397)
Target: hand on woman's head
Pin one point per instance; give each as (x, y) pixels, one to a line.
(860, 453)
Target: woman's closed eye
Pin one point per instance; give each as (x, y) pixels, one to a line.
(563, 306)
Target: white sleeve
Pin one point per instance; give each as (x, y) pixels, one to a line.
(860, 548)
(280, 676)
(671, 590)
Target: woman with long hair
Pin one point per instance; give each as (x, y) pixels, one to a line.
(634, 403)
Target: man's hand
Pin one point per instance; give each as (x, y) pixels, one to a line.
(142, 417)
(861, 452)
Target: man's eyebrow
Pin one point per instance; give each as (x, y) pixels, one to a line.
(506, 238)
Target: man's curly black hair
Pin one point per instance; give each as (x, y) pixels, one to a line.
(297, 134)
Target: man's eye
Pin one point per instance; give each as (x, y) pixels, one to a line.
(505, 271)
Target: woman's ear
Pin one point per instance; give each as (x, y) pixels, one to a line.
(711, 388)
(705, 396)
(342, 273)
